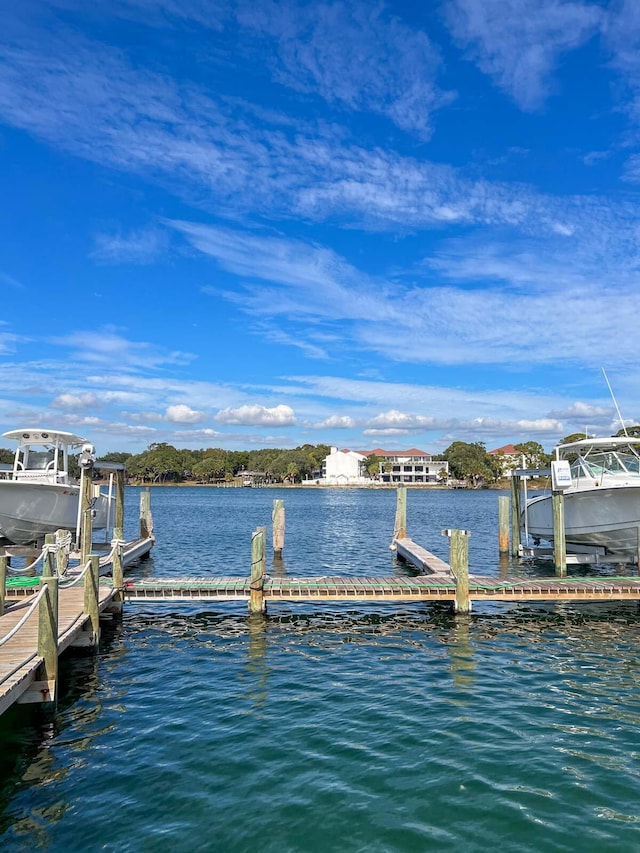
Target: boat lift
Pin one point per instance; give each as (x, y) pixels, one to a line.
(521, 540)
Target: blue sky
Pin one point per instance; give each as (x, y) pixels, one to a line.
(253, 224)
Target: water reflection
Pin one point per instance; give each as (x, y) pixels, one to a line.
(461, 652)
(256, 664)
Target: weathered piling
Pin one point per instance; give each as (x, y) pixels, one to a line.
(516, 510)
(258, 570)
(503, 525)
(400, 523)
(48, 640)
(62, 542)
(146, 519)
(278, 525)
(91, 600)
(47, 562)
(3, 581)
(118, 516)
(459, 561)
(559, 540)
(86, 516)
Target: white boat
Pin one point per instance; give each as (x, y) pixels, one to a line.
(39, 496)
(602, 504)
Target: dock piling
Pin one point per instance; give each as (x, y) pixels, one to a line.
(459, 561)
(86, 516)
(91, 591)
(62, 542)
(48, 640)
(146, 519)
(278, 523)
(258, 568)
(3, 581)
(400, 523)
(503, 525)
(515, 516)
(47, 562)
(559, 540)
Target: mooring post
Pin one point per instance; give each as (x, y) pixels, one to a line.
(503, 525)
(515, 516)
(400, 524)
(48, 636)
(91, 597)
(3, 581)
(459, 562)
(117, 570)
(146, 519)
(47, 561)
(278, 521)
(86, 526)
(638, 549)
(63, 538)
(258, 568)
(559, 541)
(118, 516)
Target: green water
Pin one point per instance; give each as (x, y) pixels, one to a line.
(320, 728)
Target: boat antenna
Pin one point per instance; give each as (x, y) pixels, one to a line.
(614, 402)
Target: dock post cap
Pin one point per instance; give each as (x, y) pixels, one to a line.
(449, 531)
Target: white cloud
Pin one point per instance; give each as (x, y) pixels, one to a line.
(353, 54)
(142, 246)
(75, 401)
(254, 415)
(519, 42)
(337, 422)
(181, 414)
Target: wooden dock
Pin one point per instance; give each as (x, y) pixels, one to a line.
(380, 589)
(24, 674)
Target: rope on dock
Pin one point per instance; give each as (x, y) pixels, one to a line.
(69, 583)
(19, 624)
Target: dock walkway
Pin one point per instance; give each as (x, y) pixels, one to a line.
(21, 657)
(381, 589)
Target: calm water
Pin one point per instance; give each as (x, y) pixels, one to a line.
(319, 728)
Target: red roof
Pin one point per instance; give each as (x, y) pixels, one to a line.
(508, 449)
(379, 452)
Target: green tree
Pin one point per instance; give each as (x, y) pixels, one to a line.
(372, 464)
(470, 462)
(534, 453)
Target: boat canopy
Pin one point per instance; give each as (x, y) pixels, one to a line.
(616, 442)
(45, 436)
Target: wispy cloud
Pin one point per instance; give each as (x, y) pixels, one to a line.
(141, 246)
(519, 42)
(442, 324)
(353, 54)
(107, 346)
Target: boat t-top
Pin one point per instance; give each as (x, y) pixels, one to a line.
(39, 496)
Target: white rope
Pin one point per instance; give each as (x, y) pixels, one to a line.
(115, 544)
(77, 578)
(19, 625)
(30, 568)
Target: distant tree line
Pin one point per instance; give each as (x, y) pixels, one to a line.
(163, 463)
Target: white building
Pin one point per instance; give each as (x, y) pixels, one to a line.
(344, 467)
(410, 466)
(347, 467)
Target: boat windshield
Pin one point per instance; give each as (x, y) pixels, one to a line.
(38, 460)
(599, 463)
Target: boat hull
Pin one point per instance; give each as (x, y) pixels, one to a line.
(606, 517)
(28, 511)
